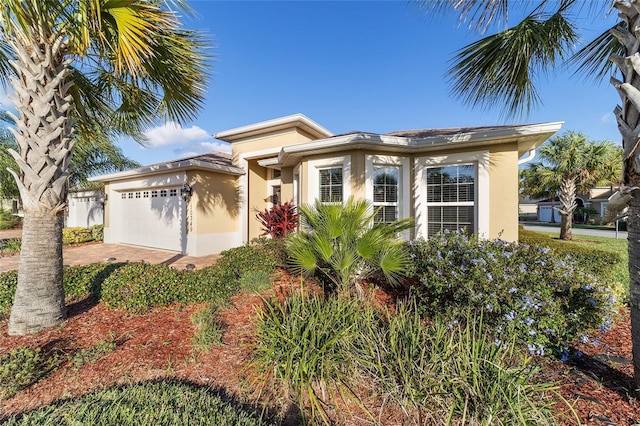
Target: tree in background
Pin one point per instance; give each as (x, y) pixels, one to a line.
(89, 70)
(534, 185)
(501, 68)
(571, 164)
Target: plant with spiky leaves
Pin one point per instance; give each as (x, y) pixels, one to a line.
(99, 68)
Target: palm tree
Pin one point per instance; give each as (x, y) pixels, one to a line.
(89, 69)
(571, 164)
(535, 184)
(502, 67)
(345, 245)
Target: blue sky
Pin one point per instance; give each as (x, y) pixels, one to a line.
(375, 66)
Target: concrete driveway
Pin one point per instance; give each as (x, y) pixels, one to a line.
(102, 253)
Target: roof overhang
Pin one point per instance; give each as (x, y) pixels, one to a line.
(527, 136)
(162, 168)
(297, 121)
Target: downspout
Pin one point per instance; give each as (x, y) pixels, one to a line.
(530, 155)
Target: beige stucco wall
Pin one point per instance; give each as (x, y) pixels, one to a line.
(214, 206)
(269, 141)
(503, 192)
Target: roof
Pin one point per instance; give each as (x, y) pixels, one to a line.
(297, 121)
(213, 161)
(527, 136)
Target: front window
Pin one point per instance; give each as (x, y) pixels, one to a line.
(451, 198)
(385, 193)
(331, 185)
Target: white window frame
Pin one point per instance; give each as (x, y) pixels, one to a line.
(271, 183)
(482, 201)
(404, 194)
(314, 167)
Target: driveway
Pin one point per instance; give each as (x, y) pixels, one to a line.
(101, 253)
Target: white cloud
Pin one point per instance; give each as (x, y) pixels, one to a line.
(173, 133)
(5, 103)
(607, 118)
(197, 148)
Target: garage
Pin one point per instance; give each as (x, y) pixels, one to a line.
(150, 217)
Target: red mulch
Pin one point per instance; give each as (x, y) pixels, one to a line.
(158, 345)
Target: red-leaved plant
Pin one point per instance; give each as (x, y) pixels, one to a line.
(279, 220)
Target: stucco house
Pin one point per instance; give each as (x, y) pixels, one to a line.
(596, 198)
(461, 178)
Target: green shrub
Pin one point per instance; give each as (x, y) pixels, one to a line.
(22, 367)
(525, 292)
(8, 283)
(76, 235)
(97, 232)
(11, 246)
(8, 220)
(161, 403)
(595, 261)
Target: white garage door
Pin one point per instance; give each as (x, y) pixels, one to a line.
(151, 218)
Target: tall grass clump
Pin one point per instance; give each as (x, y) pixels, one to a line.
(304, 351)
(317, 353)
(525, 292)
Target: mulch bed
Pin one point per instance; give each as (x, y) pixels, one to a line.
(158, 345)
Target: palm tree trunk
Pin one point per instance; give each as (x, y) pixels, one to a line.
(633, 227)
(567, 207)
(39, 300)
(43, 134)
(628, 117)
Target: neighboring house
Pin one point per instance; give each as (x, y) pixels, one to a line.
(85, 208)
(596, 198)
(462, 178)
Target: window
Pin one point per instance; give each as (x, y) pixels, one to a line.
(331, 185)
(145, 194)
(385, 193)
(451, 198)
(137, 194)
(163, 192)
(123, 195)
(275, 173)
(275, 194)
(154, 194)
(173, 192)
(130, 194)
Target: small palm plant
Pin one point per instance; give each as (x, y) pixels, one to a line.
(345, 245)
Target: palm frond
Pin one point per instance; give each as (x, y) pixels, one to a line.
(502, 67)
(592, 61)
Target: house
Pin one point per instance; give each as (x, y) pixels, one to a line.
(459, 178)
(596, 198)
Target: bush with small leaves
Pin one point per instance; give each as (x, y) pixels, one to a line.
(525, 292)
(22, 367)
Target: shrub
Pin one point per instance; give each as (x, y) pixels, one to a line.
(344, 245)
(11, 246)
(140, 286)
(525, 292)
(76, 235)
(97, 232)
(8, 220)
(279, 220)
(22, 367)
(8, 284)
(161, 403)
